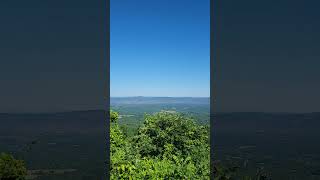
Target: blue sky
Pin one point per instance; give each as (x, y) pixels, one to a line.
(160, 48)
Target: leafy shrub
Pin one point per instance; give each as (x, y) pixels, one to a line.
(11, 169)
(167, 146)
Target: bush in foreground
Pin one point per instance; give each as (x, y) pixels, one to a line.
(11, 169)
(167, 146)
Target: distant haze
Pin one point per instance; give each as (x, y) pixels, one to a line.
(159, 100)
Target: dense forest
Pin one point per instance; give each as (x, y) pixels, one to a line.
(165, 145)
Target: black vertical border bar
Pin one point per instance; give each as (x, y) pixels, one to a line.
(107, 93)
(212, 87)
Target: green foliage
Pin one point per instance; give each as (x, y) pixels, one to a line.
(167, 146)
(114, 116)
(11, 169)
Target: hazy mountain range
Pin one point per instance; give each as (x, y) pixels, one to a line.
(159, 100)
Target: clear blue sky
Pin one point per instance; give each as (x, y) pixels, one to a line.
(160, 48)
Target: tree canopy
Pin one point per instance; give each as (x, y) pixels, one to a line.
(167, 146)
(11, 168)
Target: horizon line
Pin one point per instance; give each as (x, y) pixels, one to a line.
(161, 96)
(219, 112)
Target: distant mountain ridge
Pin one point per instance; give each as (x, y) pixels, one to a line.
(159, 100)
